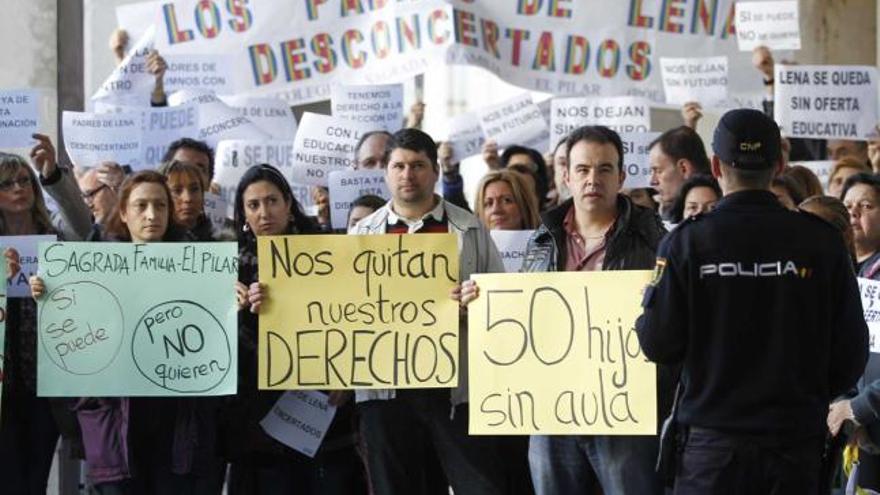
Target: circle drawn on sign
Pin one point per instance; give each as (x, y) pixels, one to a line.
(171, 347)
(87, 342)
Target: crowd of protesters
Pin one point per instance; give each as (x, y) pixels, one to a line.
(573, 196)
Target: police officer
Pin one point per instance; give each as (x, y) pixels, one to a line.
(760, 306)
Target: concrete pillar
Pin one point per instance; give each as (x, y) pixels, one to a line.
(840, 32)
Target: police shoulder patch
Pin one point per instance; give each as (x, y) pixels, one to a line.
(659, 268)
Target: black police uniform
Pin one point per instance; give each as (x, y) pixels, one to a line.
(761, 307)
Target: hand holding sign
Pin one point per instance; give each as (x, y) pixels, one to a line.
(43, 155)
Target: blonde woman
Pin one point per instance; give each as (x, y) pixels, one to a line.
(506, 200)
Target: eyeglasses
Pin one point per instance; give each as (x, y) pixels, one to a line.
(90, 195)
(22, 182)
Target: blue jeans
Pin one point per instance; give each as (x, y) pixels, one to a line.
(568, 464)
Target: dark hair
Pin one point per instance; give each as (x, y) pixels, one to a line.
(540, 173)
(598, 134)
(413, 140)
(792, 187)
(364, 137)
(370, 201)
(684, 143)
(117, 229)
(265, 172)
(861, 178)
(677, 213)
(195, 145)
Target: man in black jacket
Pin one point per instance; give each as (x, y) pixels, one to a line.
(761, 307)
(597, 229)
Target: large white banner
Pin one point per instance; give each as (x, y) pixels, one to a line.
(565, 47)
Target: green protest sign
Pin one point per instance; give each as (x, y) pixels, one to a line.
(124, 319)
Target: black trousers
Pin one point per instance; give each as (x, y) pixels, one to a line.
(718, 463)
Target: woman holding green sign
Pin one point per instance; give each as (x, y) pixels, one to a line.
(264, 206)
(145, 445)
(28, 433)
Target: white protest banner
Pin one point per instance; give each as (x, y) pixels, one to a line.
(296, 50)
(465, 135)
(703, 80)
(511, 245)
(272, 115)
(300, 419)
(822, 169)
(93, 138)
(870, 291)
(213, 72)
(130, 82)
(232, 158)
(216, 210)
(347, 185)
(771, 24)
(19, 117)
(515, 121)
(622, 114)
(26, 245)
(379, 106)
(324, 144)
(826, 101)
(635, 158)
(219, 121)
(164, 125)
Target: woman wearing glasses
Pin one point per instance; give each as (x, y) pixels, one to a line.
(28, 433)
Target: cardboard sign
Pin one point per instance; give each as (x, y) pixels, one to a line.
(703, 80)
(826, 101)
(515, 121)
(324, 144)
(622, 114)
(636, 164)
(557, 353)
(125, 319)
(771, 24)
(19, 118)
(93, 138)
(348, 185)
(511, 245)
(26, 245)
(379, 107)
(300, 419)
(354, 312)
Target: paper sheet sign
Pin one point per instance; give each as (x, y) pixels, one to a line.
(300, 419)
(826, 101)
(511, 246)
(870, 291)
(26, 245)
(19, 118)
(557, 353)
(348, 312)
(771, 24)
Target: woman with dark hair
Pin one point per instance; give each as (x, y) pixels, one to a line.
(139, 445)
(809, 182)
(265, 206)
(28, 432)
(362, 207)
(188, 185)
(530, 162)
(698, 195)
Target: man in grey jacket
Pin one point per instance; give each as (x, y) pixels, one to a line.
(398, 424)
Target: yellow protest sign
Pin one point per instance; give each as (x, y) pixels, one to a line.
(349, 312)
(557, 353)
